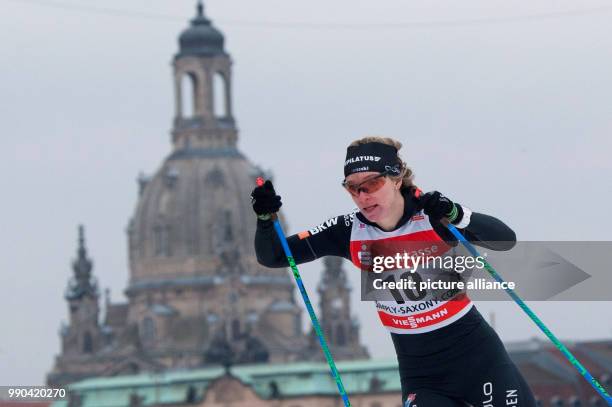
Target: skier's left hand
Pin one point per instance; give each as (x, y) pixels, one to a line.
(437, 206)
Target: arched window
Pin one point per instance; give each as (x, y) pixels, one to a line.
(87, 343)
(148, 330)
(228, 234)
(219, 95)
(132, 368)
(136, 400)
(340, 336)
(575, 402)
(188, 95)
(236, 329)
(556, 401)
(215, 178)
(161, 235)
(596, 402)
(192, 395)
(274, 391)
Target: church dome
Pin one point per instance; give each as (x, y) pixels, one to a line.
(193, 227)
(201, 38)
(194, 222)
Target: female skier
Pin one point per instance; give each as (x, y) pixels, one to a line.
(452, 359)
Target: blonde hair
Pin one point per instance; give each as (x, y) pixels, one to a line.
(406, 175)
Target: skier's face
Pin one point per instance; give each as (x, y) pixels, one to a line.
(375, 203)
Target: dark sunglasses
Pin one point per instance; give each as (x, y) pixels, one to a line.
(369, 186)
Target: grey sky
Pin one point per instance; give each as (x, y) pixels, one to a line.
(512, 118)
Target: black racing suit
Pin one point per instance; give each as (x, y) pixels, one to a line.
(458, 363)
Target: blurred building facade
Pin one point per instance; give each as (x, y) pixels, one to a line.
(197, 295)
(369, 383)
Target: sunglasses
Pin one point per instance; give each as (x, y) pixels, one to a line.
(369, 186)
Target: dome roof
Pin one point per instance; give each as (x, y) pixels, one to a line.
(194, 219)
(201, 38)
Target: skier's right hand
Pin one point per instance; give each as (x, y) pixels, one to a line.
(264, 199)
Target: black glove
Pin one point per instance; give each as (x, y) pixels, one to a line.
(437, 206)
(264, 199)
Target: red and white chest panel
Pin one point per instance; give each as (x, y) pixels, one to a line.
(416, 237)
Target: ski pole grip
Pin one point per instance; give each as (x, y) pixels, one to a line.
(260, 181)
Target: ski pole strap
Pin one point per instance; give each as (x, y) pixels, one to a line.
(452, 215)
(570, 357)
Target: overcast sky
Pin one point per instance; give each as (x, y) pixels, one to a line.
(504, 107)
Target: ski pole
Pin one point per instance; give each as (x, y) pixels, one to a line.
(313, 316)
(571, 358)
